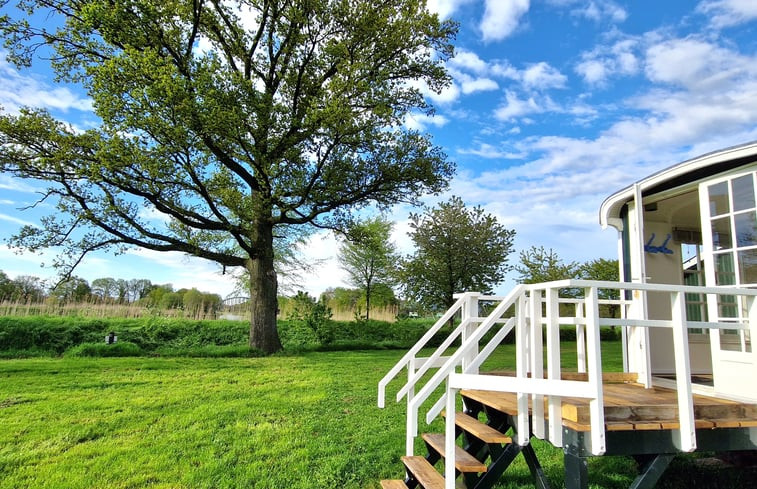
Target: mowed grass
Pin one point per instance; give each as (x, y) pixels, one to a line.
(305, 421)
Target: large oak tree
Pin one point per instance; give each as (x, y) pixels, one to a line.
(233, 120)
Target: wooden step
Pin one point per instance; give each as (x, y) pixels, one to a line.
(393, 484)
(423, 472)
(464, 461)
(482, 431)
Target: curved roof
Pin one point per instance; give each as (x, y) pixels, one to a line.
(679, 174)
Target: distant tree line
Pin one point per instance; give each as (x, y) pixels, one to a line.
(108, 290)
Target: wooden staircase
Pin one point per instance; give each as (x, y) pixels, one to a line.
(487, 449)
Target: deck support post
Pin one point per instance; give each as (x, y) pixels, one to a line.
(576, 471)
(651, 471)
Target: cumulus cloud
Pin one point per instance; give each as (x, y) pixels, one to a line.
(726, 13)
(502, 18)
(17, 90)
(468, 60)
(419, 122)
(696, 64)
(515, 107)
(542, 76)
(604, 62)
(445, 8)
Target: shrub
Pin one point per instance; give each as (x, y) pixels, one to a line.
(120, 349)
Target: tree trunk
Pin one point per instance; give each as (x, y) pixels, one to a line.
(368, 301)
(264, 335)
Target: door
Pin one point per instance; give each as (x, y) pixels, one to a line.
(729, 232)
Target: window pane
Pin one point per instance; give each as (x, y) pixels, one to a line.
(748, 266)
(721, 233)
(746, 229)
(725, 273)
(743, 193)
(718, 198)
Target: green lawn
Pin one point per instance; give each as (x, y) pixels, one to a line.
(305, 421)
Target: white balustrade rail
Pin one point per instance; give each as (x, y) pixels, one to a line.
(537, 312)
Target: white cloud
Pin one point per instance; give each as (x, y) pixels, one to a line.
(321, 249)
(181, 270)
(468, 60)
(515, 107)
(542, 76)
(17, 90)
(15, 184)
(696, 64)
(445, 8)
(593, 71)
(472, 85)
(419, 122)
(604, 62)
(726, 13)
(488, 151)
(600, 10)
(150, 213)
(15, 220)
(501, 18)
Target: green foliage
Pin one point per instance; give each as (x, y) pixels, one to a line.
(119, 349)
(235, 140)
(539, 265)
(369, 257)
(316, 315)
(457, 250)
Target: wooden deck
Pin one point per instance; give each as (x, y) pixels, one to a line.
(629, 406)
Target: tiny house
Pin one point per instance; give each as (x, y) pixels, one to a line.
(687, 243)
(694, 223)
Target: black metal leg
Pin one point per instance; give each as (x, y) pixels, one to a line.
(576, 472)
(651, 471)
(498, 467)
(540, 480)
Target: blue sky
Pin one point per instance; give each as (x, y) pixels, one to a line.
(555, 104)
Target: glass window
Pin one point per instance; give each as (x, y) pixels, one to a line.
(718, 198)
(746, 229)
(743, 193)
(721, 233)
(725, 272)
(748, 266)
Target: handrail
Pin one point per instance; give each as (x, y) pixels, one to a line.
(408, 357)
(454, 360)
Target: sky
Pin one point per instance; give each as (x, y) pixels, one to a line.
(554, 106)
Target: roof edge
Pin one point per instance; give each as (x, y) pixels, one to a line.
(609, 211)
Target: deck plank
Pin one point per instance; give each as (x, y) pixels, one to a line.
(482, 431)
(424, 472)
(464, 461)
(644, 409)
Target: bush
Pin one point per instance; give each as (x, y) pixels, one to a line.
(119, 349)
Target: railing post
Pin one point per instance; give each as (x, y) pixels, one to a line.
(409, 413)
(468, 313)
(594, 354)
(683, 372)
(581, 338)
(553, 365)
(521, 368)
(536, 349)
(449, 439)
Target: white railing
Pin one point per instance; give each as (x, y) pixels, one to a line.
(537, 312)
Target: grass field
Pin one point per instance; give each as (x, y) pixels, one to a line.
(305, 421)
